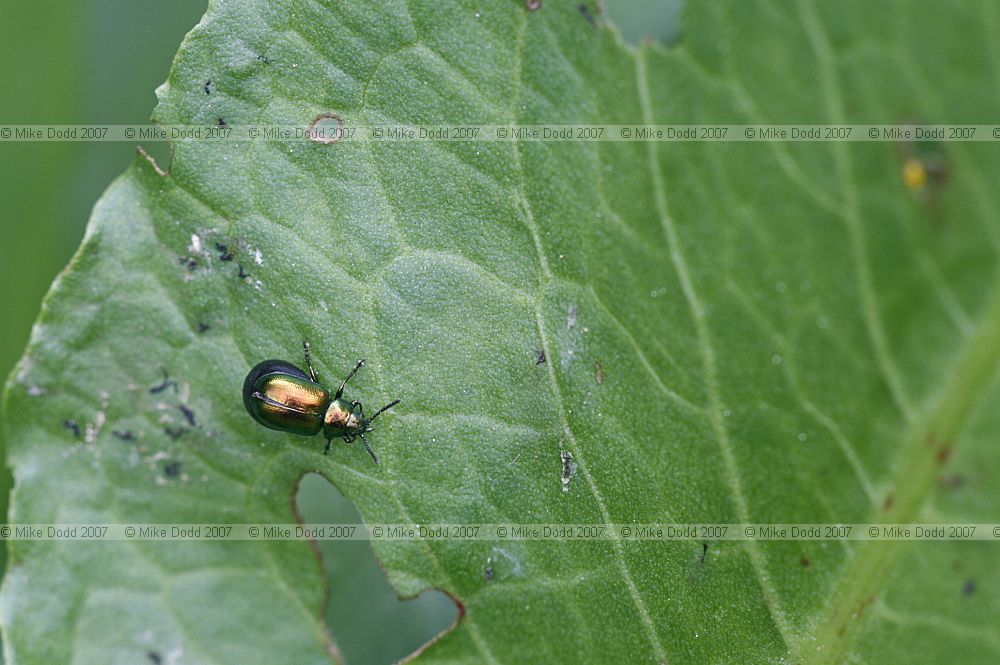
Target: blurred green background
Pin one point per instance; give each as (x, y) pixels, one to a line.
(99, 61)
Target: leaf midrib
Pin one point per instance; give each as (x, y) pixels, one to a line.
(866, 574)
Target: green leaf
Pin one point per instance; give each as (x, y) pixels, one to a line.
(734, 332)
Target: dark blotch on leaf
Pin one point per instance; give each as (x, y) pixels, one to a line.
(188, 414)
(887, 504)
(124, 436)
(172, 469)
(202, 326)
(163, 385)
(222, 123)
(540, 358)
(805, 562)
(244, 275)
(174, 432)
(154, 657)
(72, 426)
(208, 84)
(969, 588)
(951, 481)
(225, 254)
(585, 11)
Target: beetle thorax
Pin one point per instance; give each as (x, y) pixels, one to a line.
(339, 419)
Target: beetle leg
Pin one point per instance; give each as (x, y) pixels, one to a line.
(369, 448)
(340, 391)
(312, 372)
(326, 451)
(348, 438)
(361, 409)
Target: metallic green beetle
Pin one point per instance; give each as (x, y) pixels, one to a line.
(281, 396)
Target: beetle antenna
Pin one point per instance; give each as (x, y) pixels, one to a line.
(365, 441)
(305, 351)
(384, 408)
(340, 391)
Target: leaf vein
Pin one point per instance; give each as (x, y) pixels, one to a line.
(708, 356)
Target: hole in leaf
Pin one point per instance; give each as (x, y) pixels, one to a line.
(326, 128)
(643, 20)
(368, 622)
